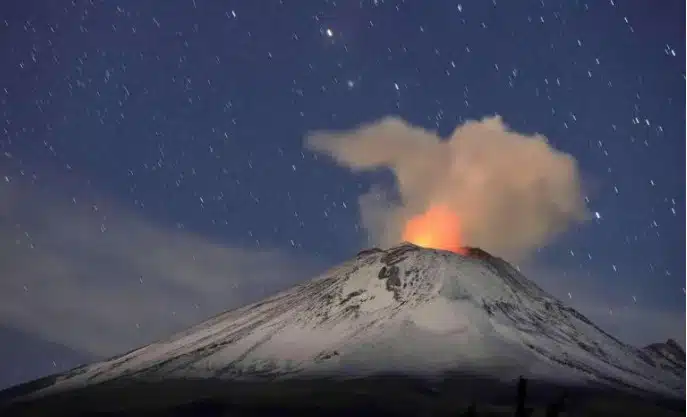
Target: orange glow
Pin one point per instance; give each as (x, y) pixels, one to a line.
(437, 228)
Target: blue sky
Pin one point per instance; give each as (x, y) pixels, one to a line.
(154, 171)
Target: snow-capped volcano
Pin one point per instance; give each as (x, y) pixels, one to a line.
(404, 310)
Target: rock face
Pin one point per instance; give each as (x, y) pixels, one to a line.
(668, 355)
(403, 310)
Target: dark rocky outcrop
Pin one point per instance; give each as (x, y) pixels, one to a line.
(668, 355)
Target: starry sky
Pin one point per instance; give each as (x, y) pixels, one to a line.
(153, 170)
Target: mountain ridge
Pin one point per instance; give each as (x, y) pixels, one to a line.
(406, 309)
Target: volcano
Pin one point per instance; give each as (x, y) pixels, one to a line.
(424, 315)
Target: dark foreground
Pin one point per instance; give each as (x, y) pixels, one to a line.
(374, 396)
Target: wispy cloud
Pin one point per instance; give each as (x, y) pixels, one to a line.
(102, 279)
(632, 318)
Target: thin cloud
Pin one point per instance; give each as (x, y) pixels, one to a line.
(635, 319)
(104, 280)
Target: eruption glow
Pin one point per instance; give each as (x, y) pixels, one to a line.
(437, 228)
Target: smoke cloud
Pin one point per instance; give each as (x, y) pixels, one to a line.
(513, 192)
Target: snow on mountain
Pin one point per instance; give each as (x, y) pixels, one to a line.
(406, 309)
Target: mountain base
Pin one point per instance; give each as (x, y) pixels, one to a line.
(378, 396)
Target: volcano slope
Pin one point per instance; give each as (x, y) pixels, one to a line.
(397, 332)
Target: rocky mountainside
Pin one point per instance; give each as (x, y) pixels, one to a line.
(404, 310)
(668, 355)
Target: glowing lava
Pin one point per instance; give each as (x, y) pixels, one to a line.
(437, 228)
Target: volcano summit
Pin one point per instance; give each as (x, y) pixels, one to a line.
(425, 314)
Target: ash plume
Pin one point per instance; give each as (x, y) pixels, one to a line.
(512, 192)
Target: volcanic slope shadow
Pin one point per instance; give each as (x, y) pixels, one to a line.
(397, 332)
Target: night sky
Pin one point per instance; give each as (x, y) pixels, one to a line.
(153, 169)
